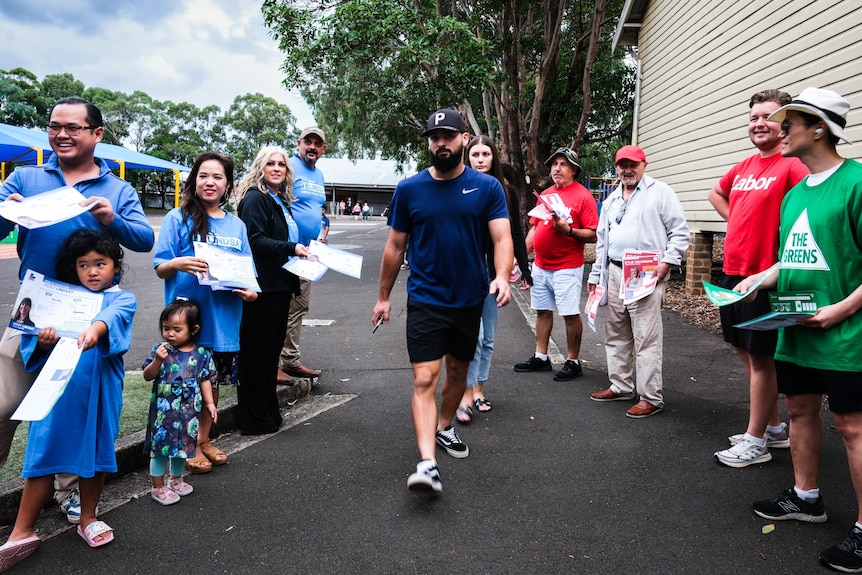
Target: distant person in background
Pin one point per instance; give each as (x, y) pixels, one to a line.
(482, 156)
(309, 193)
(341, 208)
(74, 129)
(324, 226)
(366, 210)
(357, 211)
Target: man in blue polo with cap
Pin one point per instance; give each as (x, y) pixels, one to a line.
(451, 212)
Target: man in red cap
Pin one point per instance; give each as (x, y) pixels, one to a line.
(641, 214)
(749, 198)
(558, 270)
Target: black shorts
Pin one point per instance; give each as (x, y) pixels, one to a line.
(434, 331)
(844, 388)
(753, 341)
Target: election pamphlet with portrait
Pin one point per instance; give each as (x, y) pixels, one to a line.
(43, 302)
(639, 274)
(46, 209)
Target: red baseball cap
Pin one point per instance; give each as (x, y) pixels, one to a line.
(632, 153)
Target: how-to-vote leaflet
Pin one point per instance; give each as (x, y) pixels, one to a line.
(787, 309)
(69, 309)
(46, 209)
(640, 274)
(227, 270)
(322, 257)
(550, 205)
(722, 296)
(592, 307)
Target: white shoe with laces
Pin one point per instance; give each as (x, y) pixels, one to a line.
(743, 454)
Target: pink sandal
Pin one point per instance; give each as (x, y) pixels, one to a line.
(163, 496)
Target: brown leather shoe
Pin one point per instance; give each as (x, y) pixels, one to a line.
(611, 395)
(643, 409)
(300, 370)
(282, 378)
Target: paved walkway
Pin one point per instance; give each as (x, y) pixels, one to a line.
(555, 483)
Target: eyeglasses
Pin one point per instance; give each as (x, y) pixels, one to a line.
(786, 125)
(622, 211)
(71, 129)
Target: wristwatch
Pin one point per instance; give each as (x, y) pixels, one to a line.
(571, 232)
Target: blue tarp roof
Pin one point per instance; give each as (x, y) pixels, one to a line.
(20, 144)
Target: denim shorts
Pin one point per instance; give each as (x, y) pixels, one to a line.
(560, 287)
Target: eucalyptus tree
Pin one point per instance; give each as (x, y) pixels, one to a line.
(532, 74)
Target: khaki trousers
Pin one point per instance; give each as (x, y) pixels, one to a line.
(633, 345)
(298, 310)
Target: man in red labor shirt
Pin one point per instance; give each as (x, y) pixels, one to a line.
(749, 197)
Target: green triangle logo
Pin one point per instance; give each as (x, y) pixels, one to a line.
(800, 250)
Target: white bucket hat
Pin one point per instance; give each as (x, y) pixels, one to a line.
(825, 104)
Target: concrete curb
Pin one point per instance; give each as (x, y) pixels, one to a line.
(130, 448)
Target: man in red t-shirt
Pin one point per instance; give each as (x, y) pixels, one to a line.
(558, 269)
(749, 197)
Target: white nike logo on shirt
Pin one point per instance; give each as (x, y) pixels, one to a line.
(466, 191)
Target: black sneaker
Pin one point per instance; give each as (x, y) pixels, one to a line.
(570, 370)
(847, 555)
(449, 440)
(789, 506)
(428, 480)
(534, 364)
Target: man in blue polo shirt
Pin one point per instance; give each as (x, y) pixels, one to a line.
(451, 213)
(310, 193)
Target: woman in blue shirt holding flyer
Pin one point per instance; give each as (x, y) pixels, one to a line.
(201, 218)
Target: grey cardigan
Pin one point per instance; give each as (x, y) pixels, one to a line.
(662, 227)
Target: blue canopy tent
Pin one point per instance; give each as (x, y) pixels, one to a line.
(25, 146)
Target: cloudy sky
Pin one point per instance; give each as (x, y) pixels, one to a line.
(199, 51)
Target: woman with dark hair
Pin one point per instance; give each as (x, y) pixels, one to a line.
(201, 218)
(266, 196)
(481, 155)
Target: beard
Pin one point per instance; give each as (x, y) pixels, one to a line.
(447, 163)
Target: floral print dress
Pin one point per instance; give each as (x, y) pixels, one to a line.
(175, 402)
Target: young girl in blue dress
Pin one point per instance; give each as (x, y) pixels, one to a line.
(201, 218)
(180, 370)
(78, 435)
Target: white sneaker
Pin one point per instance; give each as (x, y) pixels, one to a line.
(743, 454)
(780, 440)
(71, 506)
(427, 480)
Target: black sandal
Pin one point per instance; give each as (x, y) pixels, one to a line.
(466, 412)
(480, 403)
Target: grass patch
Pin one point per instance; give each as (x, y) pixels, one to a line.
(133, 418)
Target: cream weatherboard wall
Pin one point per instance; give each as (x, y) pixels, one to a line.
(702, 60)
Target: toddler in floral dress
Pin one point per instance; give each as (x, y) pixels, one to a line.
(180, 371)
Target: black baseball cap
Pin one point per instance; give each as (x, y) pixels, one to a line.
(445, 119)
